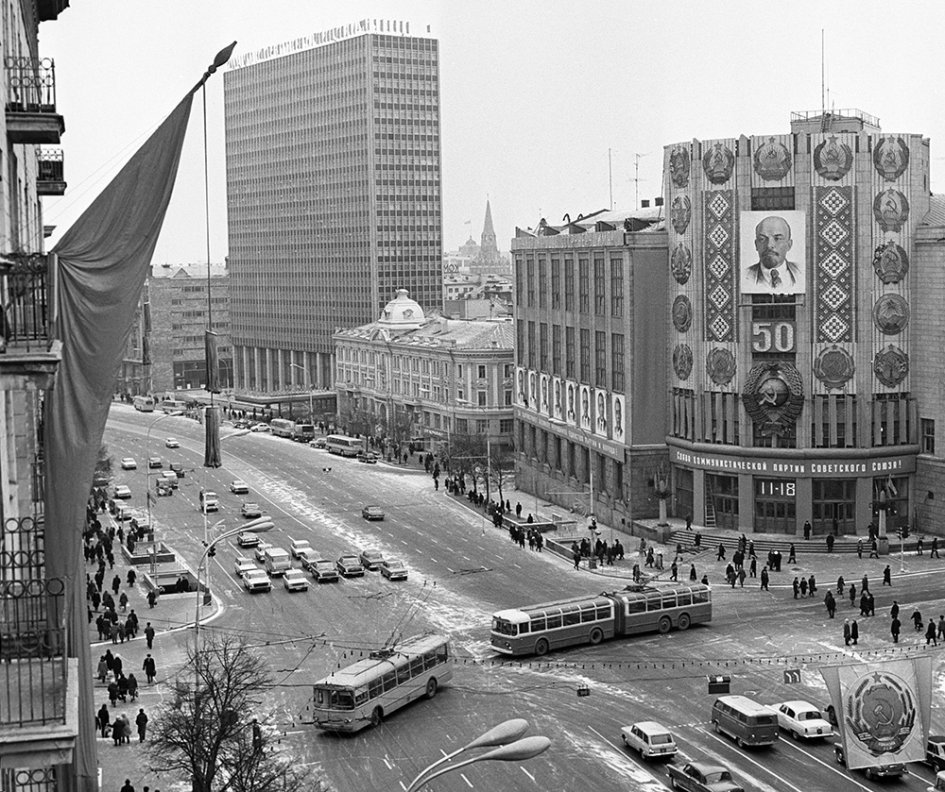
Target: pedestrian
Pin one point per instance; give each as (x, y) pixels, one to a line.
(141, 721)
(840, 584)
(753, 567)
(933, 548)
(575, 554)
(730, 575)
(854, 632)
(830, 603)
(792, 555)
(874, 550)
(887, 576)
(116, 584)
(764, 578)
(123, 688)
(864, 603)
(150, 668)
(721, 554)
(123, 602)
(705, 579)
(830, 541)
(751, 549)
(125, 729)
(674, 572)
(919, 546)
(741, 577)
(871, 604)
(132, 576)
(803, 587)
(865, 583)
(930, 634)
(941, 627)
(102, 670)
(127, 787)
(117, 728)
(807, 529)
(152, 598)
(103, 720)
(846, 632)
(692, 572)
(894, 626)
(859, 548)
(894, 610)
(132, 687)
(113, 693)
(796, 585)
(853, 594)
(917, 620)
(812, 585)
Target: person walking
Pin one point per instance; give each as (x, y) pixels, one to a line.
(865, 583)
(830, 540)
(930, 634)
(127, 787)
(887, 576)
(141, 721)
(894, 626)
(575, 554)
(854, 632)
(840, 585)
(152, 598)
(692, 572)
(852, 594)
(917, 620)
(674, 572)
(764, 578)
(721, 555)
(846, 632)
(117, 727)
(150, 668)
(894, 610)
(753, 567)
(792, 555)
(870, 604)
(812, 585)
(933, 548)
(102, 669)
(741, 577)
(796, 585)
(103, 720)
(859, 548)
(132, 687)
(830, 603)
(874, 549)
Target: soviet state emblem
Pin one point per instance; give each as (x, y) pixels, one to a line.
(682, 361)
(880, 712)
(772, 160)
(681, 263)
(891, 157)
(679, 166)
(682, 313)
(773, 396)
(890, 262)
(834, 367)
(833, 160)
(891, 314)
(891, 366)
(720, 365)
(680, 213)
(718, 163)
(891, 209)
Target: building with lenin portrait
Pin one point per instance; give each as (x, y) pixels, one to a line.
(793, 276)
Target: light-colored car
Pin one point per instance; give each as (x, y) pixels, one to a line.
(169, 477)
(171, 442)
(239, 487)
(247, 539)
(128, 463)
(250, 509)
(260, 551)
(295, 580)
(260, 427)
(297, 545)
(393, 569)
(308, 556)
(256, 580)
(318, 442)
(209, 502)
(349, 566)
(651, 739)
(372, 513)
(155, 462)
(123, 491)
(323, 571)
(803, 720)
(242, 565)
(368, 456)
(371, 559)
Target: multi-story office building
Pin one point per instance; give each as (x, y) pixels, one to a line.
(804, 270)
(39, 682)
(333, 182)
(429, 379)
(590, 354)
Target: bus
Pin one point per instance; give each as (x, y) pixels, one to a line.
(346, 446)
(367, 691)
(538, 629)
(173, 406)
(282, 427)
(304, 432)
(144, 403)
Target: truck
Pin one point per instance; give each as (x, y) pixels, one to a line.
(276, 560)
(209, 501)
(935, 752)
(702, 777)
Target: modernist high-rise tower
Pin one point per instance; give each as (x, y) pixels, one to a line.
(333, 189)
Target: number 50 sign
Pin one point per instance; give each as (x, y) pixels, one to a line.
(772, 336)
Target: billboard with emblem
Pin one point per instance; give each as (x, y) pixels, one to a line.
(883, 710)
(772, 252)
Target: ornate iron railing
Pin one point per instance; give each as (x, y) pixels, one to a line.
(31, 84)
(26, 300)
(50, 165)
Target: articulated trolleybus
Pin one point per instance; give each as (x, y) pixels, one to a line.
(367, 691)
(538, 629)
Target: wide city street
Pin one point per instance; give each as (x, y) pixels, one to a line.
(461, 570)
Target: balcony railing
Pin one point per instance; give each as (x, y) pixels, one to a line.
(31, 84)
(26, 294)
(50, 173)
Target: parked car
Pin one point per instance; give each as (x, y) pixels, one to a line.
(260, 551)
(295, 580)
(308, 556)
(260, 427)
(349, 566)
(803, 720)
(247, 539)
(250, 509)
(296, 545)
(242, 564)
(123, 512)
(318, 442)
(651, 739)
(171, 442)
(702, 777)
(239, 487)
(128, 463)
(367, 456)
(323, 571)
(372, 513)
(877, 771)
(393, 569)
(371, 559)
(256, 580)
(155, 462)
(935, 752)
(123, 491)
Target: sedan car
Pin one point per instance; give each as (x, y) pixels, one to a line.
(393, 569)
(171, 442)
(297, 545)
(239, 487)
(260, 427)
(323, 571)
(123, 491)
(349, 566)
(250, 509)
(308, 556)
(318, 442)
(372, 513)
(155, 462)
(803, 720)
(295, 580)
(247, 539)
(371, 559)
(702, 777)
(368, 456)
(260, 551)
(256, 580)
(877, 771)
(169, 478)
(128, 463)
(242, 565)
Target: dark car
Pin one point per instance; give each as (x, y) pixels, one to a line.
(368, 456)
(893, 770)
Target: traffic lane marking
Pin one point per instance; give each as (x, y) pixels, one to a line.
(832, 766)
(630, 758)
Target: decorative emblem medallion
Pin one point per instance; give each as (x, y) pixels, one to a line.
(891, 314)
(832, 160)
(890, 262)
(720, 363)
(681, 263)
(718, 163)
(682, 313)
(880, 712)
(682, 361)
(772, 160)
(679, 166)
(773, 396)
(891, 157)
(891, 209)
(680, 213)
(834, 367)
(891, 366)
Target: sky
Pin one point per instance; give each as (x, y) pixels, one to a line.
(546, 107)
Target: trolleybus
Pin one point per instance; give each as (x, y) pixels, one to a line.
(144, 403)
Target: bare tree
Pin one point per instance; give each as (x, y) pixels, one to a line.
(467, 453)
(203, 731)
(501, 468)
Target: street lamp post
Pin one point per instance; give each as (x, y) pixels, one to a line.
(148, 494)
(308, 379)
(512, 747)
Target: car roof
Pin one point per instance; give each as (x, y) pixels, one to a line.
(799, 704)
(650, 727)
(707, 767)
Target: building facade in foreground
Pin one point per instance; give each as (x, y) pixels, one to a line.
(333, 190)
(804, 339)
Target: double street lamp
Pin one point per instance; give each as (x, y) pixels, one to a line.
(512, 746)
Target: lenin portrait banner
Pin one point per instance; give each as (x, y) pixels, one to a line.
(772, 252)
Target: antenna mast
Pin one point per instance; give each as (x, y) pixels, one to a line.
(636, 179)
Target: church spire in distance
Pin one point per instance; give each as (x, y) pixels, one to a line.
(489, 249)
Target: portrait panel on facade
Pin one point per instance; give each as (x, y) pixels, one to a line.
(618, 419)
(571, 414)
(557, 398)
(543, 404)
(772, 252)
(584, 416)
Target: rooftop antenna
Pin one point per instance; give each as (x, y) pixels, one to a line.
(636, 179)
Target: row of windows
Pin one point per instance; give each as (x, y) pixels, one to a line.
(565, 269)
(537, 358)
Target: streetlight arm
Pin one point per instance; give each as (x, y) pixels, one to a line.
(518, 751)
